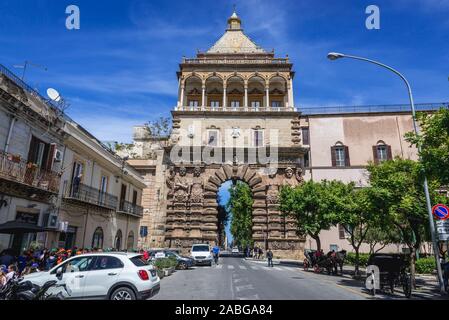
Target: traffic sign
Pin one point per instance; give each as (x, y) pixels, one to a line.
(443, 230)
(441, 212)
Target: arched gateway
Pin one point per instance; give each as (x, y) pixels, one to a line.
(235, 120)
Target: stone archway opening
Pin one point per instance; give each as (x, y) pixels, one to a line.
(235, 215)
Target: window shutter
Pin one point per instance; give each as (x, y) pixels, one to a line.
(375, 155)
(32, 153)
(389, 153)
(334, 157)
(347, 159)
(50, 157)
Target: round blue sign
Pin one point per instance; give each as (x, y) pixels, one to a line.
(441, 212)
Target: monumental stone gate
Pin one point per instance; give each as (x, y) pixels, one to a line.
(235, 120)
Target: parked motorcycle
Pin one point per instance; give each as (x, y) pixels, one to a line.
(17, 289)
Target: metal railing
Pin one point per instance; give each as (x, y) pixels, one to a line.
(130, 208)
(13, 168)
(231, 109)
(81, 192)
(19, 82)
(229, 60)
(373, 108)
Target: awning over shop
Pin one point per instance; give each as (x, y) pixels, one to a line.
(13, 227)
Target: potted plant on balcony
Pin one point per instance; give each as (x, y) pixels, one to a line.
(14, 157)
(30, 173)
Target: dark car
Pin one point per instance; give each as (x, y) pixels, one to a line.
(183, 262)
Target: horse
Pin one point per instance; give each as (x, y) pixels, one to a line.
(338, 260)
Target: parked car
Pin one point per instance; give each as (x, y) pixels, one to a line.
(183, 262)
(201, 253)
(235, 250)
(111, 276)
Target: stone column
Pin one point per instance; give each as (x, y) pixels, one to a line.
(181, 99)
(291, 102)
(203, 97)
(224, 98)
(246, 96)
(267, 98)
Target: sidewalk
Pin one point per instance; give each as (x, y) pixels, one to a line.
(426, 284)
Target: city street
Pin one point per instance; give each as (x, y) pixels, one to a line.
(238, 279)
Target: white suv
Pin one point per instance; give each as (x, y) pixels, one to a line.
(201, 253)
(113, 276)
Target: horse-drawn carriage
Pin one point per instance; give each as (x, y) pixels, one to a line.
(392, 271)
(319, 262)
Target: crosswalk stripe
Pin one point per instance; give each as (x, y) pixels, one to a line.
(254, 268)
(219, 266)
(242, 267)
(277, 268)
(230, 267)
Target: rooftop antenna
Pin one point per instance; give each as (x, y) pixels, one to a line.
(25, 66)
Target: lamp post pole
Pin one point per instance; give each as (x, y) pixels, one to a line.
(335, 56)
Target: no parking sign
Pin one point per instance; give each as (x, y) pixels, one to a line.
(441, 212)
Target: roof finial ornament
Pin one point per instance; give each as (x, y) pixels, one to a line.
(234, 21)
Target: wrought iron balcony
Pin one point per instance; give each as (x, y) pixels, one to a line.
(235, 109)
(83, 193)
(237, 60)
(130, 208)
(13, 168)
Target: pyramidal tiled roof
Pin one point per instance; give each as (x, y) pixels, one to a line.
(234, 40)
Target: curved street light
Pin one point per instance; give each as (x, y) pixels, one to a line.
(335, 56)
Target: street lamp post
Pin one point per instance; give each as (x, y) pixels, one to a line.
(334, 56)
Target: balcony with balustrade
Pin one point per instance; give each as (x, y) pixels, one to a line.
(81, 193)
(126, 207)
(22, 177)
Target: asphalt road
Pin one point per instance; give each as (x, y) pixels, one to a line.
(238, 279)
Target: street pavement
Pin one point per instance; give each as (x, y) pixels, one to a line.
(238, 279)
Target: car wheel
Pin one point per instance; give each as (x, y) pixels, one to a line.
(210, 264)
(123, 293)
(182, 266)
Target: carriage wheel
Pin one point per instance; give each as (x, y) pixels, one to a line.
(317, 269)
(392, 286)
(305, 265)
(407, 285)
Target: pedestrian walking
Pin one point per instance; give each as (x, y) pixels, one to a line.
(270, 258)
(260, 254)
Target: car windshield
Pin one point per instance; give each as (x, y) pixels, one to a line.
(139, 261)
(200, 249)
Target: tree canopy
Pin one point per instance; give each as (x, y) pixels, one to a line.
(240, 205)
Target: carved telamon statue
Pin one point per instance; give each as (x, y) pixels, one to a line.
(196, 193)
(171, 180)
(273, 194)
(292, 178)
(181, 193)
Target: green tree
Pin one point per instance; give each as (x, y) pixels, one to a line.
(357, 210)
(159, 128)
(240, 205)
(402, 184)
(380, 235)
(311, 204)
(434, 140)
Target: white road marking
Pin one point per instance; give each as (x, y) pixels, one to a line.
(276, 268)
(254, 268)
(254, 297)
(245, 287)
(220, 266)
(230, 267)
(242, 267)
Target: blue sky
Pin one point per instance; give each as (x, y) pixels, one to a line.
(119, 69)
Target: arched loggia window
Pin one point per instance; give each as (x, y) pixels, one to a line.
(97, 239)
(130, 242)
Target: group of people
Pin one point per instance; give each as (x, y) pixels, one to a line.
(257, 253)
(30, 261)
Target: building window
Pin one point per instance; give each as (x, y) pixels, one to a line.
(122, 197)
(305, 135)
(276, 105)
(212, 138)
(97, 239)
(214, 105)
(255, 105)
(134, 197)
(341, 232)
(382, 152)
(40, 154)
(118, 240)
(235, 105)
(340, 155)
(130, 244)
(258, 138)
(193, 104)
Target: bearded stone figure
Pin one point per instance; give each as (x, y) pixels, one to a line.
(196, 193)
(273, 194)
(289, 179)
(181, 193)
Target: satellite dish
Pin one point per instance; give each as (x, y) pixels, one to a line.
(53, 94)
